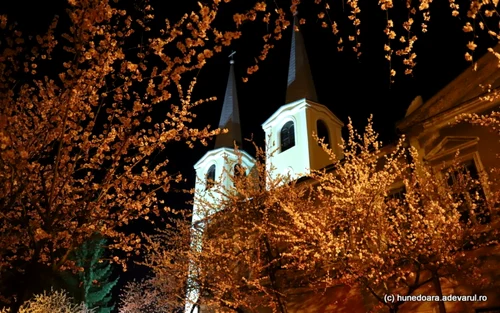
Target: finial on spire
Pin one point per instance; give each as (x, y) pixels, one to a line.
(231, 57)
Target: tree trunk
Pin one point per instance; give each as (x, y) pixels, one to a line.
(439, 291)
(272, 276)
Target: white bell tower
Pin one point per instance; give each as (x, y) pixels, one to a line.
(214, 171)
(290, 145)
(216, 168)
(292, 149)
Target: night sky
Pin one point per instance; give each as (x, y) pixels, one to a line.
(348, 86)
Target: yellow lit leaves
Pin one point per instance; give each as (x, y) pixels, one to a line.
(468, 27)
(204, 10)
(407, 24)
(424, 4)
(229, 37)
(335, 29)
(356, 22)
(181, 46)
(265, 51)
(206, 54)
(471, 46)
(386, 4)
(266, 18)
(387, 47)
(96, 81)
(121, 139)
(252, 69)
(260, 6)
(239, 18)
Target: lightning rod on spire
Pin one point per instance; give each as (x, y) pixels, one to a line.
(231, 61)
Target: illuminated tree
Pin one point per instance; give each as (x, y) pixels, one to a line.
(368, 234)
(55, 301)
(83, 119)
(233, 255)
(348, 226)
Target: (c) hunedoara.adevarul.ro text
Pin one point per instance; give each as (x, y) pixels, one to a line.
(392, 298)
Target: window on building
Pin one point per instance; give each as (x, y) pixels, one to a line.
(238, 172)
(466, 186)
(322, 131)
(287, 136)
(210, 177)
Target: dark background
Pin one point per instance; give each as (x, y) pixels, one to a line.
(348, 86)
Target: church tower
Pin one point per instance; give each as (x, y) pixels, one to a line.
(290, 145)
(215, 169)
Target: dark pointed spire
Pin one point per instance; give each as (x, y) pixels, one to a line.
(230, 115)
(300, 81)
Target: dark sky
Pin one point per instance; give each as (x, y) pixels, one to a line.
(346, 85)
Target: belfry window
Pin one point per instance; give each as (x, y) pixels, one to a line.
(322, 132)
(238, 173)
(210, 176)
(287, 136)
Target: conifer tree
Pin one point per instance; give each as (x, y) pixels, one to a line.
(95, 282)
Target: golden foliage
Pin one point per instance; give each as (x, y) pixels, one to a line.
(82, 121)
(255, 242)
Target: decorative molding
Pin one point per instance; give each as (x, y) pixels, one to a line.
(294, 107)
(450, 145)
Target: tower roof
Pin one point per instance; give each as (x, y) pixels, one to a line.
(230, 115)
(300, 82)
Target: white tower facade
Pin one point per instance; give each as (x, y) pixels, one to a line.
(214, 172)
(215, 169)
(291, 147)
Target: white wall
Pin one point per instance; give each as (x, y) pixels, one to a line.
(306, 154)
